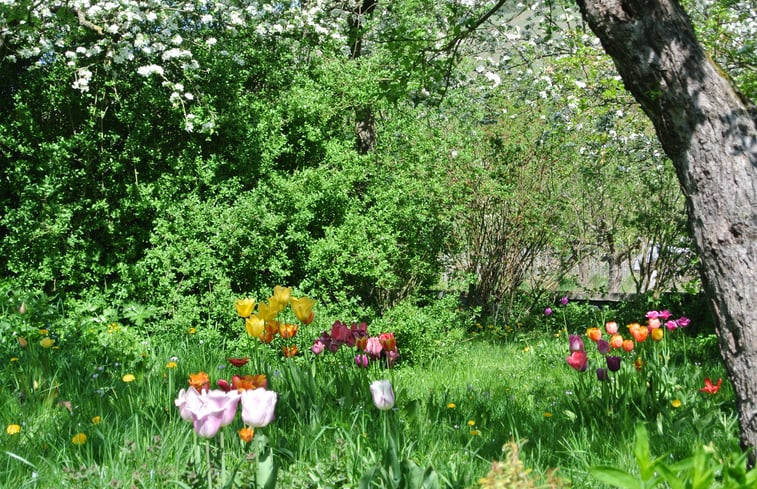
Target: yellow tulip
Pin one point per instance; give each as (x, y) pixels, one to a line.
(254, 326)
(268, 311)
(303, 309)
(245, 307)
(282, 295)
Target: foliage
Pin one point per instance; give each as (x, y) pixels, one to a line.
(702, 470)
(510, 473)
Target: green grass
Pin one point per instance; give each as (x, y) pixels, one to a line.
(453, 414)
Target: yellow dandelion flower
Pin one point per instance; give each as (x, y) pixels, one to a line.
(171, 365)
(96, 420)
(128, 378)
(43, 332)
(13, 429)
(475, 433)
(79, 439)
(192, 330)
(547, 414)
(676, 403)
(46, 342)
(14, 359)
(471, 422)
(451, 405)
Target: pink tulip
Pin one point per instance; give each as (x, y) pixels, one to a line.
(671, 325)
(611, 327)
(383, 394)
(373, 347)
(258, 407)
(578, 360)
(361, 360)
(318, 347)
(664, 315)
(188, 401)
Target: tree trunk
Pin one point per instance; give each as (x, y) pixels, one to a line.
(709, 130)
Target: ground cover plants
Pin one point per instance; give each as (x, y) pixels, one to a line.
(89, 400)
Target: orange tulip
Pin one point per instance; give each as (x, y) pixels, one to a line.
(361, 342)
(640, 334)
(272, 327)
(254, 326)
(246, 382)
(289, 351)
(199, 381)
(387, 341)
(594, 334)
(638, 364)
(288, 330)
(616, 341)
(628, 345)
(244, 307)
(246, 434)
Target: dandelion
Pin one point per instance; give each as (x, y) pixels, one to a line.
(13, 429)
(14, 359)
(128, 378)
(475, 433)
(171, 364)
(471, 422)
(547, 414)
(676, 403)
(451, 405)
(192, 330)
(79, 439)
(46, 342)
(96, 420)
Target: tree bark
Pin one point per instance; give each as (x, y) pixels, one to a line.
(709, 130)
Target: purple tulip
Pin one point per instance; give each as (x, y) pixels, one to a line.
(383, 394)
(258, 407)
(209, 410)
(361, 360)
(576, 343)
(683, 321)
(603, 346)
(613, 363)
(671, 325)
(601, 374)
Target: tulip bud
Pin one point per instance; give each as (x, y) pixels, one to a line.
(383, 394)
(22, 309)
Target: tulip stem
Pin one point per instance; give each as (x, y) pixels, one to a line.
(207, 458)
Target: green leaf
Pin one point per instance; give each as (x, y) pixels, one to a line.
(267, 471)
(615, 477)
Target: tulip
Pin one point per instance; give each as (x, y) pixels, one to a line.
(653, 323)
(199, 381)
(373, 347)
(683, 322)
(289, 351)
(709, 387)
(657, 334)
(361, 360)
(268, 311)
(254, 326)
(383, 394)
(613, 363)
(288, 330)
(576, 343)
(361, 343)
(246, 434)
(603, 346)
(318, 347)
(578, 360)
(224, 402)
(601, 374)
(671, 325)
(223, 384)
(594, 334)
(387, 341)
(628, 345)
(616, 341)
(652, 315)
(303, 309)
(238, 362)
(340, 332)
(258, 407)
(611, 327)
(391, 357)
(640, 334)
(244, 307)
(664, 315)
(281, 295)
(245, 382)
